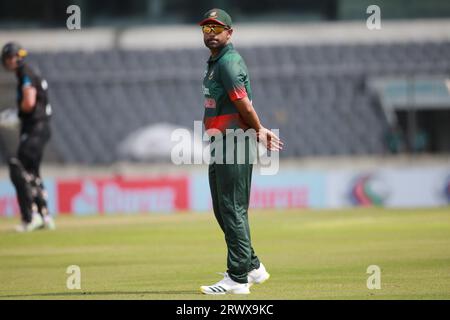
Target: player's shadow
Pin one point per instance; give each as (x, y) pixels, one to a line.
(87, 294)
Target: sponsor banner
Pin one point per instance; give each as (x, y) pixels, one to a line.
(8, 201)
(410, 187)
(287, 189)
(120, 195)
(389, 187)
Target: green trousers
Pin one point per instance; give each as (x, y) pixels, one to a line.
(230, 191)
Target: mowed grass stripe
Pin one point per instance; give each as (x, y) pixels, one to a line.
(311, 254)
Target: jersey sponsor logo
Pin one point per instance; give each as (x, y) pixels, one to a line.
(48, 110)
(44, 84)
(210, 103)
(205, 90)
(211, 75)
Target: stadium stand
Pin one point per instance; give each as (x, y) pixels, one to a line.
(316, 94)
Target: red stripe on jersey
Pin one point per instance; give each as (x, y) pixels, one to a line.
(237, 93)
(226, 121)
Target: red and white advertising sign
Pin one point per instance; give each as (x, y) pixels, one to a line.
(119, 195)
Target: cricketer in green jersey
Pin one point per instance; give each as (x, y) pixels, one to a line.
(228, 106)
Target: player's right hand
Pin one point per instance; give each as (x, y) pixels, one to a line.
(270, 140)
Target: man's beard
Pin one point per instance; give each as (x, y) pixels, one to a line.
(214, 45)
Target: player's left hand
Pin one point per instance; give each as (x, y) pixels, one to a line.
(8, 118)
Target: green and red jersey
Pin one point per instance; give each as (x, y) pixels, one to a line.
(226, 80)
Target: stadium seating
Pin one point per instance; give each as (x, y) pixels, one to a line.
(316, 94)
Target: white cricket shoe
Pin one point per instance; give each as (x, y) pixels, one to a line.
(226, 285)
(23, 227)
(35, 224)
(49, 223)
(258, 276)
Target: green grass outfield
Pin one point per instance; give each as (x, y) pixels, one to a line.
(310, 255)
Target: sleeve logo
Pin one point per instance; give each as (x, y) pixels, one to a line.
(210, 103)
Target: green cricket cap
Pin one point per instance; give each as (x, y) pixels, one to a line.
(217, 16)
